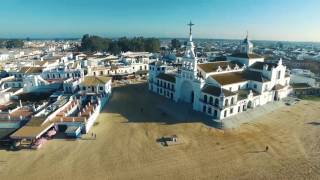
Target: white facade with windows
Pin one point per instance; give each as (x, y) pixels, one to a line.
(224, 88)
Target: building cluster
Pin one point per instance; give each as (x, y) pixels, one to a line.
(221, 88)
(59, 91)
(48, 87)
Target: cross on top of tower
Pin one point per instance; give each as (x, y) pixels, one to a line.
(190, 25)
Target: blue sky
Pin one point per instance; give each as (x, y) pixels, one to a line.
(297, 20)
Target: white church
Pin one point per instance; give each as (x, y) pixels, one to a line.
(224, 88)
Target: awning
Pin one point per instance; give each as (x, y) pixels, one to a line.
(31, 132)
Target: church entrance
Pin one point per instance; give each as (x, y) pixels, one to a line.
(192, 96)
(249, 105)
(186, 92)
(276, 96)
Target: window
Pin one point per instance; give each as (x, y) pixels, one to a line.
(216, 102)
(225, 113)
(232, 100)
(101, 88)
(205, 98)
(209, 110)
(204, 109)
(239, 108)
(210, 100)
(226, 102)
(278, 74)
(215, 113)
(231, 111)
(255, 86)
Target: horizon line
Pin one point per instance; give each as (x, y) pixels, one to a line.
(117, 37)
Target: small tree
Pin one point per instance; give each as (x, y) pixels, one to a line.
(175, 44)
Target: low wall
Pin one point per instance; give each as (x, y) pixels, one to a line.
(93, 117)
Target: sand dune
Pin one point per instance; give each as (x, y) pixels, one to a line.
(126, 145)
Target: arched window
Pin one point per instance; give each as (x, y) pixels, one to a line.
(205, 98)
(232, 100)
(226, 103)
(211, 100)
(216, 102)
(215, 114)
(209, 110)
(204, 108)
(225, 113)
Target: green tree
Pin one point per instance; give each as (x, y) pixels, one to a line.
(114, 48)
(175, 44)
(94, 43)
(14, 43)
(152, 45)
(124, 44)
(2, 43)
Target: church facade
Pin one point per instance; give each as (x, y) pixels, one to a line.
(223, 88)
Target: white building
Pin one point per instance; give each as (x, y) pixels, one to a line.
(224, 88)
(4, 57)
(299, 76)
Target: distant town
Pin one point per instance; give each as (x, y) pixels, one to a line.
(60, 86)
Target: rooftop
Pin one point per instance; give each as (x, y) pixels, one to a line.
(167, 77)
(214, 66)
(237, 77)
(300, 85)
(247, 56)
(95, 80)
(31, 70)
(216, 91)
(33, 129)
(260, 65)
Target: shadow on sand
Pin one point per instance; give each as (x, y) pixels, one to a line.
(314, 123)
(138, 105)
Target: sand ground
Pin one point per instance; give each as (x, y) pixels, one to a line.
(126, 146)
